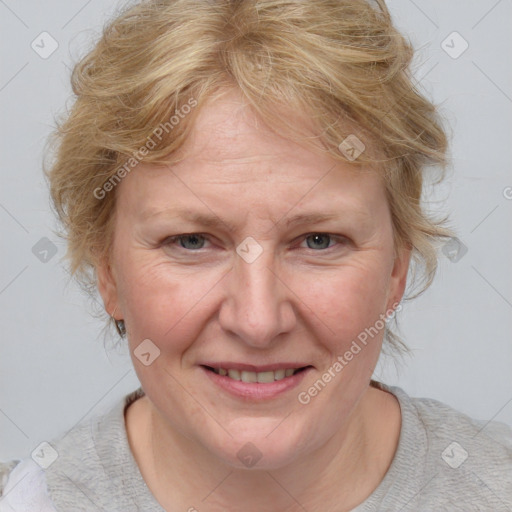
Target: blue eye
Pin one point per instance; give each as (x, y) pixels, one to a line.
(318, 241)
(191, 242)
(197, 241)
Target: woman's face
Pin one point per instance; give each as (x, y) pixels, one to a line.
(252, 253)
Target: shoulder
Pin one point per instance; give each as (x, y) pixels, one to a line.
(5, 470)
(466, 463)
(23, 487)
(489, 442)
(88, 464)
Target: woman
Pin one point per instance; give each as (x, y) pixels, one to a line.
(242, 181)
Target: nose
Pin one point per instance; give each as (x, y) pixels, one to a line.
(257, 307)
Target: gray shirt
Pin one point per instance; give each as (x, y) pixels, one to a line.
(444, 461)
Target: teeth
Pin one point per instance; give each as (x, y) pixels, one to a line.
(234, 374)
(279, 374)
(263, 377)
(248, 376)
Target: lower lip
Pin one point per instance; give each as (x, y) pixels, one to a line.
(256, 390)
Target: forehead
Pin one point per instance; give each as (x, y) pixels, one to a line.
(230, 153)
(227, 131)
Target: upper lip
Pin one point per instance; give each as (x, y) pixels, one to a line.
(230, 365)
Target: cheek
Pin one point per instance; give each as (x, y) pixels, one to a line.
(163, 303)
(347, 301)
(348, 304)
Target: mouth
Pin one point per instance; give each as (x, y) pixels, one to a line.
(263, 377)
(246, 384)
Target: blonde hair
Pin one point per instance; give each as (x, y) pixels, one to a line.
(339, 62)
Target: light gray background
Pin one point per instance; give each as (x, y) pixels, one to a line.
(54, 370)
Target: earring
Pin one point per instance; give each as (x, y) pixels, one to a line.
(119, 324)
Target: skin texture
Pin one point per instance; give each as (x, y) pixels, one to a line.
(303, 299)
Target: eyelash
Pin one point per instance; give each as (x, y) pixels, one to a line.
(341, 240)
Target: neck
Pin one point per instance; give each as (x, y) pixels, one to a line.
(337, 475)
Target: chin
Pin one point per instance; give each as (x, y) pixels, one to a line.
(256, 444)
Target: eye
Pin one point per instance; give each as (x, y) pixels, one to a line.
(191, 241)
(196, 241)
(321, 241)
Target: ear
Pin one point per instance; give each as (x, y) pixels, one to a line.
(108, 289)
(398, 280)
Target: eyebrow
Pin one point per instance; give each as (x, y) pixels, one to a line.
(213, 221)
(309, 218)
